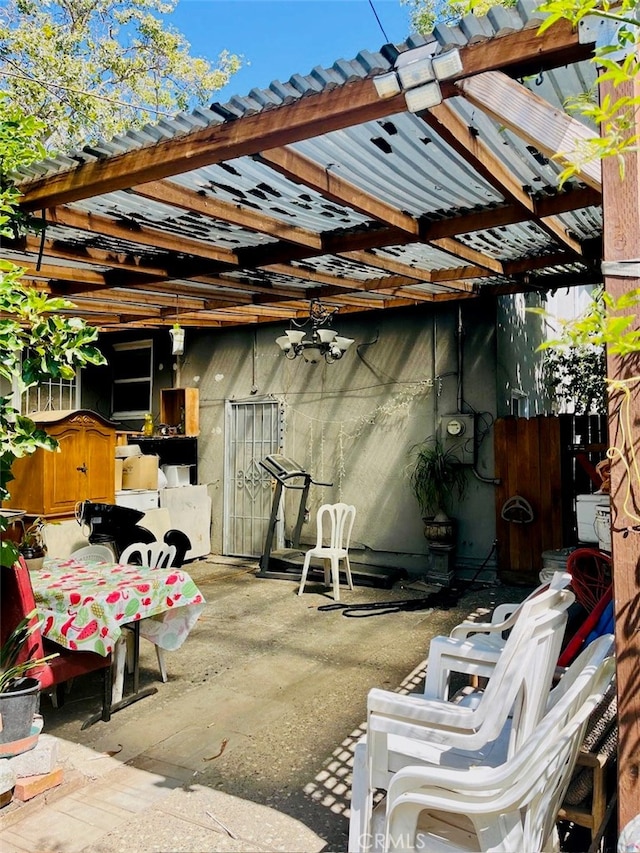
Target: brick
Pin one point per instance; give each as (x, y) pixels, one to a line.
(42, 759)
(31, 786)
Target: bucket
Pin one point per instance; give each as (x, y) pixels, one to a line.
(17, 709)
(554, 561)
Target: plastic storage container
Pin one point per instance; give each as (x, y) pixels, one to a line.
(586, 506)
(142, 499)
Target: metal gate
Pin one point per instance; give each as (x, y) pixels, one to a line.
(254, 429)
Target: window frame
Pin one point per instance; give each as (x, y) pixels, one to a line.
(129, 414)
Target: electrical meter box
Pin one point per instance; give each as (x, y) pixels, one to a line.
(457, 434)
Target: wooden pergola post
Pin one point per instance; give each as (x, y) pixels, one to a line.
(621, 267)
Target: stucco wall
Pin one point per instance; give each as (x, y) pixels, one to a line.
(353, 422)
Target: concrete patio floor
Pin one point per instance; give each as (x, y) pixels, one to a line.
(248, 746)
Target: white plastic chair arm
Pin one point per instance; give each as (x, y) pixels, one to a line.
(503, 619)
(417, 717)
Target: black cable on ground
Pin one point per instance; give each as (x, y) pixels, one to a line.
(443, 599)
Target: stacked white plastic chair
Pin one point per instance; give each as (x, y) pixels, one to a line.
(473, 648)
(512, 807)
(411, 730)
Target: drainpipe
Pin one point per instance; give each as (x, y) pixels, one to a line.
(492, 481)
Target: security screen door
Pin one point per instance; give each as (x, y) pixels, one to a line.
(254, 429)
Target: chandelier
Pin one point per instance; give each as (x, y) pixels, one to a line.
(321, 343)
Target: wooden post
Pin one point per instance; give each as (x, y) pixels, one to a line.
(621, 211)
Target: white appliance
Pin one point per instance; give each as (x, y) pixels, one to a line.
(586, 506)
(142, 499)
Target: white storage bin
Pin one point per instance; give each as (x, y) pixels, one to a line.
(142, 499)
(177, 475)
(586, 515)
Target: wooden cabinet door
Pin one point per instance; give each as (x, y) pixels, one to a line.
(64, 478)
(99, 457)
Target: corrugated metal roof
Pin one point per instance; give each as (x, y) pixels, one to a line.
(394, 162)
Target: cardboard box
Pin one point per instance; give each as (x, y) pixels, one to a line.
(119, 466)
(140, 472)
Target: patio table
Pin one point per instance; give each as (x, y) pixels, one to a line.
(85, 604)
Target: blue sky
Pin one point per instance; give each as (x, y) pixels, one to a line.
(279, 38)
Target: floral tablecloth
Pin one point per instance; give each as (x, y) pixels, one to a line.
(84, 604)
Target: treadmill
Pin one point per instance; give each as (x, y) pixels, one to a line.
(287, 564)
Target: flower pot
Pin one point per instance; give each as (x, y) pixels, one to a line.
(18, 706)
(33, 557)
(440, 532)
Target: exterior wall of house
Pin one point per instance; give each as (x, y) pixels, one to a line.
(353, 422)
(519, 376)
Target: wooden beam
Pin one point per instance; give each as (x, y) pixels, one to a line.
(300, 168)
(621, 211)
(450, 127)
(331, 185)
(373, 260)
(175, 195)
(134, 232)
(532, 118)
(123, 261)
(459, 250)
(312, 115)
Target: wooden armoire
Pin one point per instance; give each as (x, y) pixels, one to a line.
(49, 484)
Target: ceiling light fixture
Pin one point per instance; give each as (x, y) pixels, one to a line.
(321, 343)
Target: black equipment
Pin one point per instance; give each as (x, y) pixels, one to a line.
(288, 475)
(114, 525)
(287, 564)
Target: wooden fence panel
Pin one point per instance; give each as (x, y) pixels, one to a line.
(528, 454)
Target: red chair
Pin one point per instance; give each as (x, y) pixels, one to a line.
(17, 602)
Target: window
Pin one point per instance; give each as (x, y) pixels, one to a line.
(519, 404)
(132, 365)
(52, 395)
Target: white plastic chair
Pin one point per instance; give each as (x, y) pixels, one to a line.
(340, 517)
(155, 555)
(473, 648)
(513, 807)
(93, 552)
(405, 730)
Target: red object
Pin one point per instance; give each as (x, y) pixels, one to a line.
(28, 787)
(590, 572)
(16, 602)
(574, 646)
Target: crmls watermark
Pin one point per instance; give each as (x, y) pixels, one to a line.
(399, 842)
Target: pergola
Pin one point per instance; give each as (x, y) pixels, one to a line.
(324, 188)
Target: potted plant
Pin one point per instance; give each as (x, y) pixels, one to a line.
(436, 478)
(19, 692)
(32, 546)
